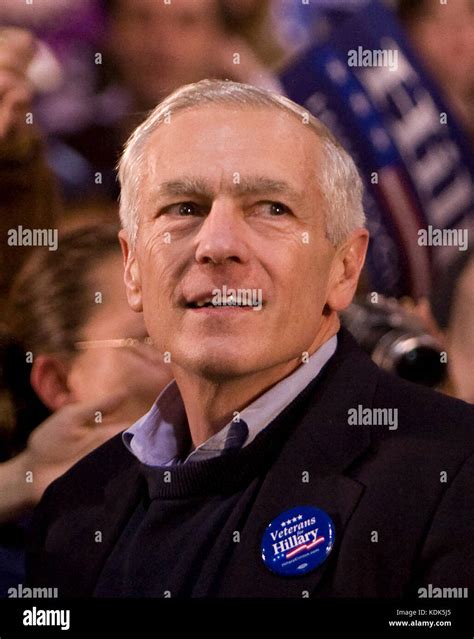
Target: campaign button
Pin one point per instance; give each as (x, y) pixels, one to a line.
(297, 541)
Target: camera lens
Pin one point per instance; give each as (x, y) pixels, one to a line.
(421, 365)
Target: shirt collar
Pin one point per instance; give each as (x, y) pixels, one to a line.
(161, 437)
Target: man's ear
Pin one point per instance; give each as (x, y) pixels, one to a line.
(347, 265)
(49, 379)
(131, 275)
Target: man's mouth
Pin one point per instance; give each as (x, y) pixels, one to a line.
(226, 298)
(228, 303)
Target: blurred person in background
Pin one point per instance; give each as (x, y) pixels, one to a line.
(253, 21)
(461, 334)
(28, 189)
(118, 58)
(28, 193)
(66, 99)
(149, 49)
(158, 47)
(443, 36)
(92, 367)
(450, 317)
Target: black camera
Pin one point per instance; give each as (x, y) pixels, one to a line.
(396, 340)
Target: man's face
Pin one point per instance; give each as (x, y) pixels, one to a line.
(230, 199)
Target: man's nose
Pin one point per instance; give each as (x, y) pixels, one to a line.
(222, 236)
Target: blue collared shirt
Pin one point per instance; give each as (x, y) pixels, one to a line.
(160, 437)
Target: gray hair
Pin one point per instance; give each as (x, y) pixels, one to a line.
(339, 180)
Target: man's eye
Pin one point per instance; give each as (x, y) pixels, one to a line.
(188, 208)
(185, 209)
(275, 209)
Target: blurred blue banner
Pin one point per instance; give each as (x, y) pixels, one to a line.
(366, 84)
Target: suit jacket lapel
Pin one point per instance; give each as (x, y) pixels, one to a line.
(310, 470)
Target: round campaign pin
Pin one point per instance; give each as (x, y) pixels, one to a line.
(297, 541)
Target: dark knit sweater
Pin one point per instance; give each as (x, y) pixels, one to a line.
(189, 520)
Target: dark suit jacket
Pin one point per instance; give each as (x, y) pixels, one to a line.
(401, 500)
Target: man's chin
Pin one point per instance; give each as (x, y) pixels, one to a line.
(219, 366)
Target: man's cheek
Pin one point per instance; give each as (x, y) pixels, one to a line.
(151, 247)
(159, 266)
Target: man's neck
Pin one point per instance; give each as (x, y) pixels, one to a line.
(211, 404)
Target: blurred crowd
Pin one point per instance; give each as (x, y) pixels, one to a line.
(76, 77)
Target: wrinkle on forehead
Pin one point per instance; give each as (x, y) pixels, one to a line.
(203, 187)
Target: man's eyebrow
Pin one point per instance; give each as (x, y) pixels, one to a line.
(256, 185)
(184, 186)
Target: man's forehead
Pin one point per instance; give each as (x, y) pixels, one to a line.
(262, 135)
(269, 122)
